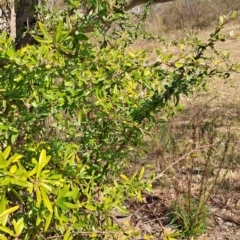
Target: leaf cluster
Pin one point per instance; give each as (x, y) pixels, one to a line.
(64, 203)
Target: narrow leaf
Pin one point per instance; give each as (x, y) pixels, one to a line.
(44, 31)
(6, 152)
(15, 226)
(48, 221)
(71, 205)
(2, 160)
(90, 207)
(47, 187)
(20, 225)
(18, 196)
(39, 197)
(67, 234)
(46, 200)
(124, 177)
(38, 220)
(2, 237)
(64, 36)
(8, 211)
(42, 158)
(221, 20)
(29, 174)
(41, 40)
(58, 32)
(22, 183)
(6, 230)
(141, 172)
(14, 158)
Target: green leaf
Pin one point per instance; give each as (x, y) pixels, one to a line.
(6, 181)
(9, 210)
(3, 206)
(46, 200)
(18, 226)
(64, 36)
(2, 237)
(38, 220)
(174, 234)
(44, 31)
(146, 73)
(234, 15)
(63, 192)
(34, 170)
(133, 176)
(55, 177)
(124, 177)
(6, 230)
(3, 161)
(67, 234)
(7, 152)
(141, 172)
(45, 186)
(90, 207)
(11, 53)
(80, 36)
(39, 197)
(168, 57)
(221, 20)
(158, 52)
(48, 221)
(13, 169)
(41, 40)
(14, 137)
(131, 55)
(22, 183)
(71, 205)
(178, 64)
(58, 32)
(93, 235)
(15, 158)
(170, 236)
(57, 215)
(42, 158)
(17, 195)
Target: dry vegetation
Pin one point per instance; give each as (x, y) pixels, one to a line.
(196, 155)
(189, 14)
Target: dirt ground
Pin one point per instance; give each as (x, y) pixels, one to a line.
(220, 104)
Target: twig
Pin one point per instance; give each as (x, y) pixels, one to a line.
(157, 218)
(179, 160)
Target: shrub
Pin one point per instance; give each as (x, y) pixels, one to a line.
(61, 200)
(89, 101)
